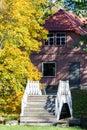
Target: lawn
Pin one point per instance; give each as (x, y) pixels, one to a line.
(4, 127)
(79, 99)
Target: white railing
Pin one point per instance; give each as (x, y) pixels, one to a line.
(32, 88)
(63, 96)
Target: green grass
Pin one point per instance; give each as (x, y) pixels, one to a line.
(4, 127)
(79, 99)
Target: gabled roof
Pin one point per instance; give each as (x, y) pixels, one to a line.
(64, 21)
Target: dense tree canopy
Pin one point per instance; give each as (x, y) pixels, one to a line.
(50, 7)
(77, 6)
(20, 34)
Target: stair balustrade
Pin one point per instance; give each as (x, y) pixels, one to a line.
(63, 96)
(32, 88)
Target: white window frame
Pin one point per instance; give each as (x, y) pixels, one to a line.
(49, 39)
(60, 37)
(43, 69)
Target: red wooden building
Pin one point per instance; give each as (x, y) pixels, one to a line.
(58, 58)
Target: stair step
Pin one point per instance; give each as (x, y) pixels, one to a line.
(38, 117)
(44, 112)
(37, 100)
(40, 98)
(35, 106)
(38, 121)
(38, 108)
(38, 124)
(34, 109)
(45, 120)
(35, 103)
(38, 114)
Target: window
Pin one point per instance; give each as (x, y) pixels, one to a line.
(50, 40)
(49, 69)
(60, 38)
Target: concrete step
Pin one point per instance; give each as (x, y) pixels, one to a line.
(37, 124)
(36, 104)
(34, 108)
(41, 111)
(45, 114)
(38, 119)
(60, 123)
(38, 114)
(37, 100)
(44, 97)
(40, 98)
(38, 108)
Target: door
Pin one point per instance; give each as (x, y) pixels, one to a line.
(74, 74)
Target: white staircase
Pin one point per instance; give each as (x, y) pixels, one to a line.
(32, 88)
(39, 110)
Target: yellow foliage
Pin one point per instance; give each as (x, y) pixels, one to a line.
(41, 87)
(11, 102)
(20, 35)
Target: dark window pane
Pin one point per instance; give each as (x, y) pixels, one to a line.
(46, 42)
(62, 41)
(63, 34)
(58, 41)
(49, 69)
(51, 41)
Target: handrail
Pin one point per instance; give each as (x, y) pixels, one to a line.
(24, 99)
(32, 88)
(63, 96)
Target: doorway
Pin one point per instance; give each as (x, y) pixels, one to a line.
(74, 74)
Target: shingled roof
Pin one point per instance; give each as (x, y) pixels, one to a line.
(64, 21)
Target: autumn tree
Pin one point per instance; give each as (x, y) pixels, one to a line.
(77, 6)
(50, 7)
(21, 33)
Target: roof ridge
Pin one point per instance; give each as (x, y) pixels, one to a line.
(69, 16)
(63, 20)
(54, 14)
